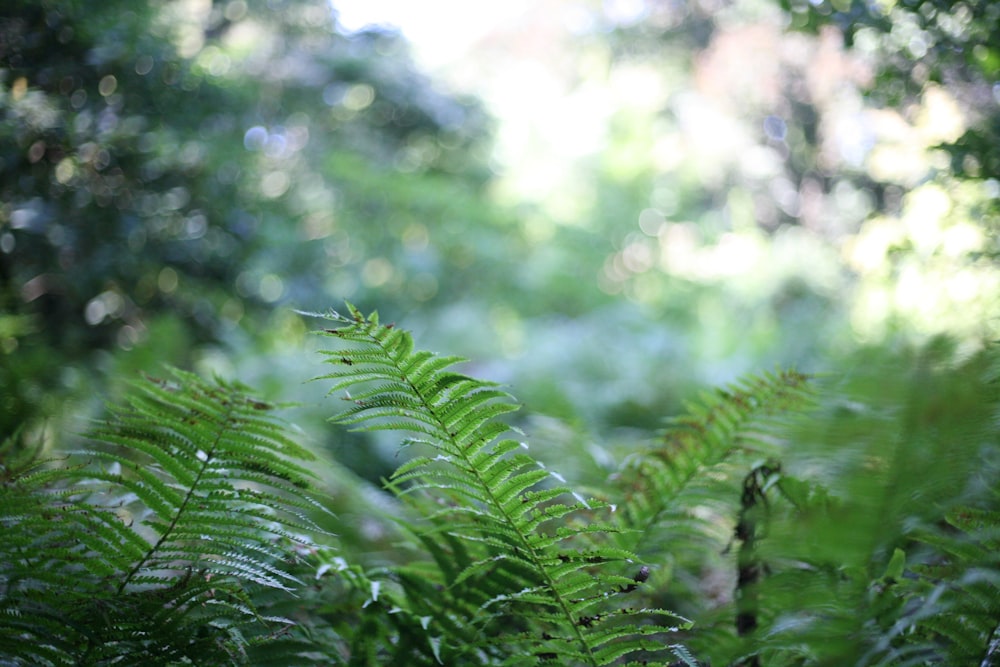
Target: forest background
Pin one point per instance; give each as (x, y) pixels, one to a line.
(719, 187)
(605, 206)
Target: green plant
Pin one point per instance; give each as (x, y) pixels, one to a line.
(148, 545)
(872, 542)
(725, 431)
(947, 602)
(523, 567)
(857, 521)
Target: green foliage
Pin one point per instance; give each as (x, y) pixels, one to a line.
(676, 495)
(149, 545)
(855, 518)
(798, 522)
(952, 597)
(523, 563)
(117, 210)
(872, 542)
(946, 43)
(660, 483)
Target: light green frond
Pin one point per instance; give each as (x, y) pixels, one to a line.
(733, 420)
(517, 576)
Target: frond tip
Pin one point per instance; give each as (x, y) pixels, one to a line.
(531, 550)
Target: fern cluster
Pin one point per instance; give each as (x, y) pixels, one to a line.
(855, 521)
(873, 541)
(951, 600)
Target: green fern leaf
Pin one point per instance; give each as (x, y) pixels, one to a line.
(661, 483)
(147, 546)
(481, 488)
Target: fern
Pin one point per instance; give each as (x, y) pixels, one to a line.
(864, 544)
(524, 563)
(951, 599)
(942, 608)
(676, 495)
(723, 422)
(865, 531)
(148, 545)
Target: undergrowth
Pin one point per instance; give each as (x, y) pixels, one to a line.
(849, 519)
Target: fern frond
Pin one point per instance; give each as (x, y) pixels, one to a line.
(871, 556)
(730, 420)
(964, 583)
(151, 541)
(530, 552)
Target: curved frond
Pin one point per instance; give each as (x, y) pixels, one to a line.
(548, 589)
(663, 482)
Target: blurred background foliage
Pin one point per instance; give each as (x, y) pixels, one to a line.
(179, 175)
(603, 204)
